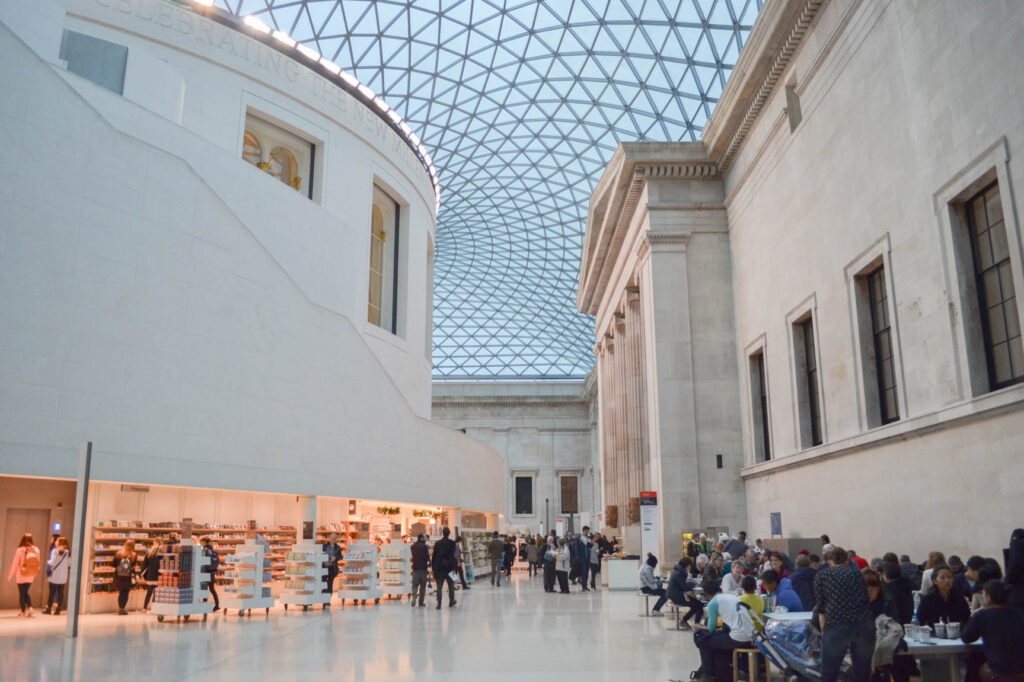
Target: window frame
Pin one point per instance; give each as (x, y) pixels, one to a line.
(562, 477)
(516, 476)
(869, 400)
(875, 281)
(992, 163)
(761, 428)
(396, 324)
(980, 272)
(803, 417)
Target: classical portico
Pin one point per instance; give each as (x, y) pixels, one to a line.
(656, 275)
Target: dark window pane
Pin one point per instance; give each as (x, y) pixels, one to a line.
(569, 502)
(994, 206)
(1001, 363)
(524, 495)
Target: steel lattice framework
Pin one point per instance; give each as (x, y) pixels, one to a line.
(521, 104)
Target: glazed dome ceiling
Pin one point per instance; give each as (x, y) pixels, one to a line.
(521, 104)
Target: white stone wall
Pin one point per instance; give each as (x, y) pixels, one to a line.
(200, 322)
(903, 104)
(540, 429)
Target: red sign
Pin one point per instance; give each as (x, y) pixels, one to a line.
(648, 497)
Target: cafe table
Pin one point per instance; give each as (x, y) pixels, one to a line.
(939, 659)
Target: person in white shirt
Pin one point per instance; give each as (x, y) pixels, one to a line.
(731, 582)
(652, 585)
(59, 564)
(738, 631)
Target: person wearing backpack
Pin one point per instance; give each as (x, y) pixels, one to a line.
(25, 568)
(210, 551)
(150, 571)
(58, 568)
(124, 575)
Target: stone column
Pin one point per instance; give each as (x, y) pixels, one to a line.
(637, 401)
(621, 409)
(607, 398)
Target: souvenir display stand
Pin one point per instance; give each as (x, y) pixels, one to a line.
(178, 594)
(359, 573)
(394, 568)
(249, 572)
(305, 576)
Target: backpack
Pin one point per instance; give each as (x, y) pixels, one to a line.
(124, 567)
(31, 564)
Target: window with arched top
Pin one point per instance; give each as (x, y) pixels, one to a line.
(290, 159)
(385, 295)
(252, 150)
(283, 166)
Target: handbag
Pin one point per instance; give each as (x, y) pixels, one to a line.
(49, 571)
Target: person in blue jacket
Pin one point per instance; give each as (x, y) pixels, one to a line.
(782, 590)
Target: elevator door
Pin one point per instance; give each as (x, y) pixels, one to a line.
(19, 522)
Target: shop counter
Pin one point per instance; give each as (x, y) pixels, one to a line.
(622, 574)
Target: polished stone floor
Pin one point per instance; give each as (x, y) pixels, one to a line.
(515, 633)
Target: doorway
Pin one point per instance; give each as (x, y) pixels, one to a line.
(19, 522)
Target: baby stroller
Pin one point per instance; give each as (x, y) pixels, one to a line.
(794, 646)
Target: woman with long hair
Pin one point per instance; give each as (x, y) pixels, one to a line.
(150, 571)
(124, 574)
(59, 564)
(935, 559)
(25, 568)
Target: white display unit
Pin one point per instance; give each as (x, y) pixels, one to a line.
(477, 557)
(395, 569)
(249, 571)
(359, 573)
(189, 560)
(305, 576)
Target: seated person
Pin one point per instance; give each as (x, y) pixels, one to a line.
(711, 579)
(730, 626)
(990, 570)
(752, 599)
(679, 592)
(782, 589)
(1002, 629)
(802, 581)
(967, 582)
(778, 564)
(750, 563)
(876, 597)
(942, 602)
(651, 585)
(731, 581)
(898, 594)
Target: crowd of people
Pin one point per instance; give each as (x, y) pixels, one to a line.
(561, 561)
(28, 563)
(860, 607)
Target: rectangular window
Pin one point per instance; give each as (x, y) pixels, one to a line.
(524, 495)
(384, 235)
(807, 382)
(881, 337)
(997, 302)
(281, 154)
(759, 402)
(98, 60)
(570, 503)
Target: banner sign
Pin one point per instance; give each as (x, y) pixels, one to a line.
(648, 523)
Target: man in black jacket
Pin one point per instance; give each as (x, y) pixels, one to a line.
(420, 564)
(443, 562)
(333, 552)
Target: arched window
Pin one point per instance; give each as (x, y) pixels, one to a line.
(284, 167)
(377, 240)
(252, 150)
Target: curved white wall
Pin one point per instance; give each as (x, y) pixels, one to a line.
(200, 322)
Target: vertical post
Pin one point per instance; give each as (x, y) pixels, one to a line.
(78, 548)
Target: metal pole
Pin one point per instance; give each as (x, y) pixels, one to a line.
(547, 514)
(78, 547)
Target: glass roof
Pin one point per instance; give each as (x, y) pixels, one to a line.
(521, 104)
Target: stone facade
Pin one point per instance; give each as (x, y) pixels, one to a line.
(543, 431)
(850, 136)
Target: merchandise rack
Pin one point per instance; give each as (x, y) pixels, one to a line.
(185, 573)
(476, 540)
(249, 572)
(306, 576)
(359, 573)
(394, 569)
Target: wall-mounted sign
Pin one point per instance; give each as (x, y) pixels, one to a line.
(648, 523)
(776, 520)
(134, 488)
(307, 530)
